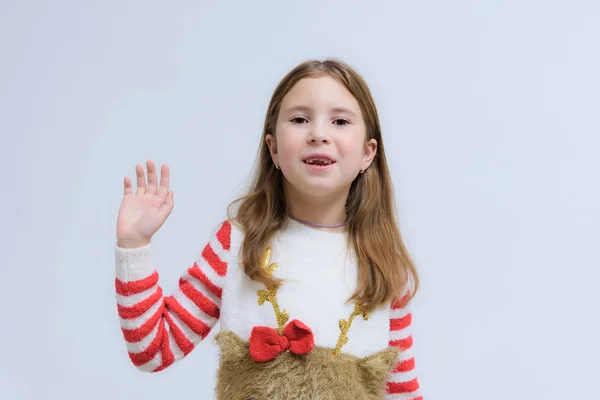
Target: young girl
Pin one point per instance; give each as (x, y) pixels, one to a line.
(308, 277)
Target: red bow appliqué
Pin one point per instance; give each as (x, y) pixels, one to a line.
(266, 343)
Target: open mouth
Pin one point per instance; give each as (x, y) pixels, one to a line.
(319, 162)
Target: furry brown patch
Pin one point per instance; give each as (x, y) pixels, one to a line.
(317, 375)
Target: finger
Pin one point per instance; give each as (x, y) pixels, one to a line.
(163, 189)
(151, 177)
(127, 186)
(141, 180)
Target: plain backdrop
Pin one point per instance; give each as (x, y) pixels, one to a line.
(489, 112)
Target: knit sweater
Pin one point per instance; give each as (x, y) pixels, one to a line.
(319, 273)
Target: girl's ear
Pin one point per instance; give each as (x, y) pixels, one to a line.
(369, 153)
(272, 145)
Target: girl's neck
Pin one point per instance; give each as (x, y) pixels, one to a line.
(327, 213)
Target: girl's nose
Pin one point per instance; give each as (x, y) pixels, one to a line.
(318, 133)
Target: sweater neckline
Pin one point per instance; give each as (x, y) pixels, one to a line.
(298, 228)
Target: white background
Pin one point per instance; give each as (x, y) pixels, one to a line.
(490, 116)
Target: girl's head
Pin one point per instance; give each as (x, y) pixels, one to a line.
(322, 139)
(317, 133)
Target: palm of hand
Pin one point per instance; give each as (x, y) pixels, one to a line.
(140, 216)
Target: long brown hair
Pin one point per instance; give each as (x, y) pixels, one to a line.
(384, 265)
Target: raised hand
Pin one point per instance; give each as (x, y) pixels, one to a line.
(142, 214)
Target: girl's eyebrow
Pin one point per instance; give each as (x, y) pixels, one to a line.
(307, 109)
(343, 111)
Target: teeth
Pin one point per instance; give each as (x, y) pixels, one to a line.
(319, 162)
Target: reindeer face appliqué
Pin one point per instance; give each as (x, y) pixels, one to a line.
(316, 375)
(283, 363)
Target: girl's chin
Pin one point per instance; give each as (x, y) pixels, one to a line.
(318, 189)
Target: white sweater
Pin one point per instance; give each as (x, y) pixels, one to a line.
(319, 272)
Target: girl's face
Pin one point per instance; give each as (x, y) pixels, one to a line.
(320, 137)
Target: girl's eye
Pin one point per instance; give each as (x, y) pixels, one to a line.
(298, 120)
(341, 122)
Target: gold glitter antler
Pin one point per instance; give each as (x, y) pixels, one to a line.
(345, 327)
(270, 294)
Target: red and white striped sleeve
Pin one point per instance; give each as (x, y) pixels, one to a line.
(160, 330)
(403, 383)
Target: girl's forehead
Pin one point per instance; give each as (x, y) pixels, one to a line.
(319, 92)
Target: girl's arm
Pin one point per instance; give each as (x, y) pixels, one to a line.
(403, 383)
(159, 330)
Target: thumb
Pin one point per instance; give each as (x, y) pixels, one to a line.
(167, 206)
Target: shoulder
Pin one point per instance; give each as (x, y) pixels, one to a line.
(225, 240)
(222, 234)
(214, 262)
